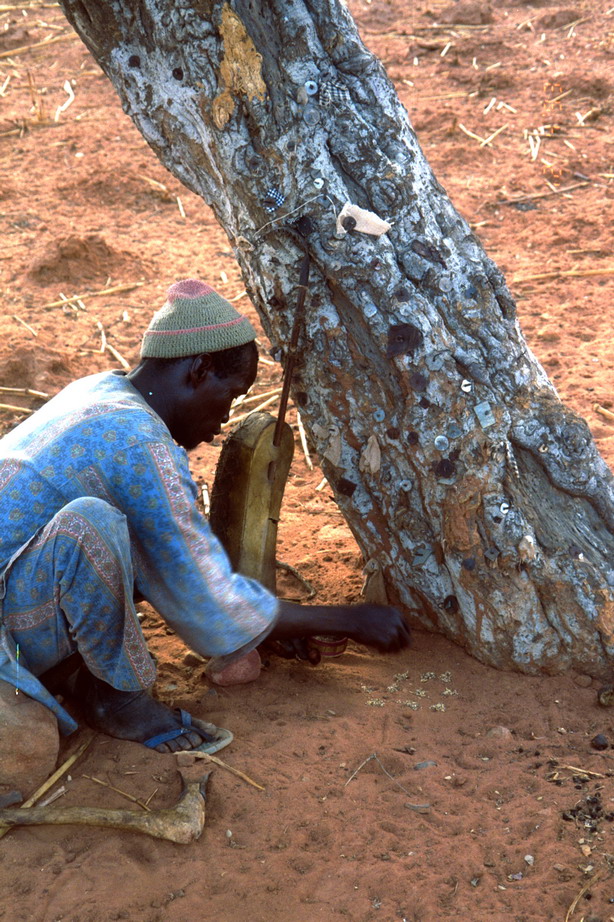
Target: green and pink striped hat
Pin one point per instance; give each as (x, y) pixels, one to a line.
(194, 319)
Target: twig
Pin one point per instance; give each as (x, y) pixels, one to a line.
(24, 324)
(106, 784)
(492, 136)
(96, 294)
(587, 886)
(582, 771)
(412, 806)
(13, 409)
(235, 771)
(237, 419)
(568, 273)
(103, 336)
(151, 797)
(254, 397)
(603, 412)
(50, 41)
(533, 195)
(297, 576)
(303, 437)
(56, 794)
(24, 390)
(470, 134)
(51, 780)
(118, 356)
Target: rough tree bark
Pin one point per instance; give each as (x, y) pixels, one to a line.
(478, 496)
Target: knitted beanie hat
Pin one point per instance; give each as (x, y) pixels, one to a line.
(194, 319)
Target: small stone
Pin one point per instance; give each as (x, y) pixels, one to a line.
(500, 733)
(600, 742)
(427, 764)
(605, 696)
(583, 681)
(193, 659)
(530, 860)
(246, 669)
(30, 741)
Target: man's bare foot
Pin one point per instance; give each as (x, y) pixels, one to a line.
(139, 717)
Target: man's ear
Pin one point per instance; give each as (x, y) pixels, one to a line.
(199, 369)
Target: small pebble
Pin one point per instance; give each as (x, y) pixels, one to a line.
(502, 733)
(192, 659)
(605, 696)
(583, 681)
(428, 764)
(530, 860)
(600, 742)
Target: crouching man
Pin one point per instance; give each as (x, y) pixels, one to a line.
(97, 504)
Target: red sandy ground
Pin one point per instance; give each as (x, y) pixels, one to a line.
(85, 206)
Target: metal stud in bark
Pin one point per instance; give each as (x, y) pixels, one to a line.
(273, 199)
(484, 414)
(333, 93)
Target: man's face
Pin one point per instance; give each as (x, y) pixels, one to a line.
(209, 404)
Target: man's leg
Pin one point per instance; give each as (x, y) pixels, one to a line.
(72, 590)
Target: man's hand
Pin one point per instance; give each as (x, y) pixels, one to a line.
(377, 626)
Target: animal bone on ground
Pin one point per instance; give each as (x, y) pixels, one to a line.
(182, 823)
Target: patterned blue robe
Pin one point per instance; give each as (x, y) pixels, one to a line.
(68, 566)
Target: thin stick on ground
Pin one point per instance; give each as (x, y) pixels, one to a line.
(533, 195)
(117, 356)
(51, 780)
(27, 391)
(229, 768)
(50, 41)
(421, 808)
(103, 336)
(565, 273)
(26, 325)
(587, 886)
(96, 294)
(106, 784)
(303, 437)
(237, 419)
(14, 409)
(607, 414)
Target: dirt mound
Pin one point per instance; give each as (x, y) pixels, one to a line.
(79, 259)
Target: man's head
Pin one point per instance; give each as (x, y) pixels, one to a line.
(198, 354)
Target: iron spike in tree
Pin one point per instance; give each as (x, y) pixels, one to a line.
(478, 497)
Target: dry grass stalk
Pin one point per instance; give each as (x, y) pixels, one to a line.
(234, 771)
(14, 409)
(533, 195)
(106, 784)
(568, 273)
(95, 294)
(237, 419)
(26, 325)
(25, 48)
(46, 785)
(303, 437)
(607, 414)
(587, 886)
(24, 390)
(117, 356)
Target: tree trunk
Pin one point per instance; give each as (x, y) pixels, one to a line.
(478, 496)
